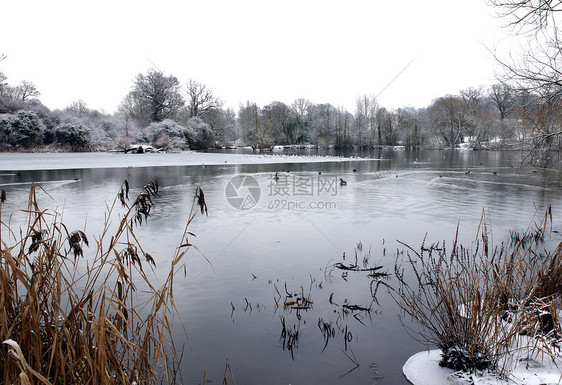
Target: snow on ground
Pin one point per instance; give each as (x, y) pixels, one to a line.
(423, 369)
(53, 161)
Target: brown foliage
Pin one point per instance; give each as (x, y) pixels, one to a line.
(71, 320)
(474, 304)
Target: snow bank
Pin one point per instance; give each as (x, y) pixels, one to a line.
(423, 369)
(54, 161)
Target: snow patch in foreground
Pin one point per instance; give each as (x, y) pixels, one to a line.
(423, 369)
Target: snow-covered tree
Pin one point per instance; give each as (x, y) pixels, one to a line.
(22, 129)
(3, 84)
(202, 136)
(283, 122)
(6, 129)
(72, 134)
(154, 97)
(168, 134)
(223, 124)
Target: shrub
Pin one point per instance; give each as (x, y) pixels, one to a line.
(27, 128)
(72, 134)
(6, 128)
(201, 136)
(22, 129)
(168, 134)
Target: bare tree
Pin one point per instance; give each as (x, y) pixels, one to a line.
(408, 127)
(153, 97)
(344, 122)
(77, 107)
(504, 98)
(528, 15)
(255, 129)
(27, 90)
(538, 71)
(449, 115)
(3, 84)
(386, 127)
(473, 97)
(365, 119)
(322, 124)
(200, 99)
(3, 77)
(223, 123)
(301, 110)
(282, 121)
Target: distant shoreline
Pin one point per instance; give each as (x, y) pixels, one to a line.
(88, 160)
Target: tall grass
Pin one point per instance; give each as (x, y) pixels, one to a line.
(70, 307)
(475, 303)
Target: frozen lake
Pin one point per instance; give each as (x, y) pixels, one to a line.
(265, 236)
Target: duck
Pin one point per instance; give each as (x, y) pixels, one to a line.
(342, 182)
(276, 177)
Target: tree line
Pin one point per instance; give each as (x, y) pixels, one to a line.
(160, 112)
(522, 109)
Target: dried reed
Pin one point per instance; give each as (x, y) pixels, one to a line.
(475, 303)
(74, 317)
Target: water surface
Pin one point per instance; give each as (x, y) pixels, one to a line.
(288, 241)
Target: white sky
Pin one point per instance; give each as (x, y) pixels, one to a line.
(258, 50)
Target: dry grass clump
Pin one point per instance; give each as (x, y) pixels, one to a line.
(70, 315)
(475, 303)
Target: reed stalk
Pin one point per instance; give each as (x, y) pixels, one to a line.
(476, 303)
(70, 315)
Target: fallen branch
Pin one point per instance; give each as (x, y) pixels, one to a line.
(353, 267)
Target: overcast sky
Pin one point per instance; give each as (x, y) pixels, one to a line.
(257, 50)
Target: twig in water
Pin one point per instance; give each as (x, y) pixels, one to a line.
(354, 360)
(224, 380)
